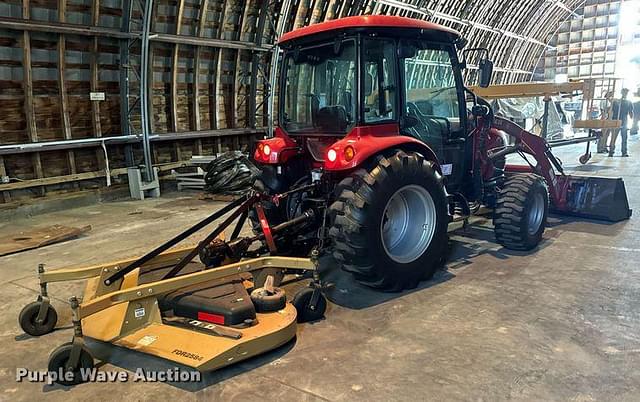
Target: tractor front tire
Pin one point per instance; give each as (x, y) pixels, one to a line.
(521, 212)
(389, 222)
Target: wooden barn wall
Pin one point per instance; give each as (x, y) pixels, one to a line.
(199, 90)
(213, 94)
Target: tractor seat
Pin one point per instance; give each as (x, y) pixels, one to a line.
(224, 303)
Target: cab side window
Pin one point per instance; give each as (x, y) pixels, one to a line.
(432, 97)
(379, 81)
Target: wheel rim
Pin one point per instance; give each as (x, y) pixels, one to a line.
(536, 214)
(408, 224)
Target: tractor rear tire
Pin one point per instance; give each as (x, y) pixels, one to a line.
(521, 212)
(389, 222)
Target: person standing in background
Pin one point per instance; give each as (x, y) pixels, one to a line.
(605, 114)
(636, 113)
(622, 109)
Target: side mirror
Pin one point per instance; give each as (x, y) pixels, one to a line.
(486, 71)
(485, 65)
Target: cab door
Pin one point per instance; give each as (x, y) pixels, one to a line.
(434, 101)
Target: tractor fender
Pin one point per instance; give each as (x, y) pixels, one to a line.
(280, 148)
(369, 141)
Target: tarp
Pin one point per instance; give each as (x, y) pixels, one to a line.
(530, 108)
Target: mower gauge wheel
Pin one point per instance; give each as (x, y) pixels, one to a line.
(302, 303)
(59, 358)
(266, 302)
(260, 277)
(28, 319)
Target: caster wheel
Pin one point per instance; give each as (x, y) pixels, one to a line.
(28, 315)
(58, 364)
(301, 302)
(260, 277)
(584, 158)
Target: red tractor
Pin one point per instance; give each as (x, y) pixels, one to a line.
(379, 146)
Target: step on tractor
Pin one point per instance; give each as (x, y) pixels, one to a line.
(374, 118)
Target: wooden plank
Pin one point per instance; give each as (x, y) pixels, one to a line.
(597, 124)
(47, 181)
(38, 237)
(530, 89)
(59, 179)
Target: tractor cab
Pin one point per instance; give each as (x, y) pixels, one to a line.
(377, 76)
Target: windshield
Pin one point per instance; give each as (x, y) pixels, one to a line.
(319, 93)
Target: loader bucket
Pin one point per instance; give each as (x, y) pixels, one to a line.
(600, 198)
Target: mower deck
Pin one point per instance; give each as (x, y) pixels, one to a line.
(141, 313)
(140, 325)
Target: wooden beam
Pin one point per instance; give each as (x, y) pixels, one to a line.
(218, 72)
(23, 24)
(174, 80)
(174, 69)
(6, 195)
(95, 105)
(196, 123)
(241, 29)
(258, 37)
(29, 112)
(82, 30)
(152, 125)
(208, 42)
(202, 19)
(64, 101)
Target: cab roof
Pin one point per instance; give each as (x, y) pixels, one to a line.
(369, 23)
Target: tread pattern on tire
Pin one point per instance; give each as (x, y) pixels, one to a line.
(510, 208)
(348, 215)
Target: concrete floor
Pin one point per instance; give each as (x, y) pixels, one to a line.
(558, 324)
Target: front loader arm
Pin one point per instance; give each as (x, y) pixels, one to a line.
(547, 165)
(601, 198)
